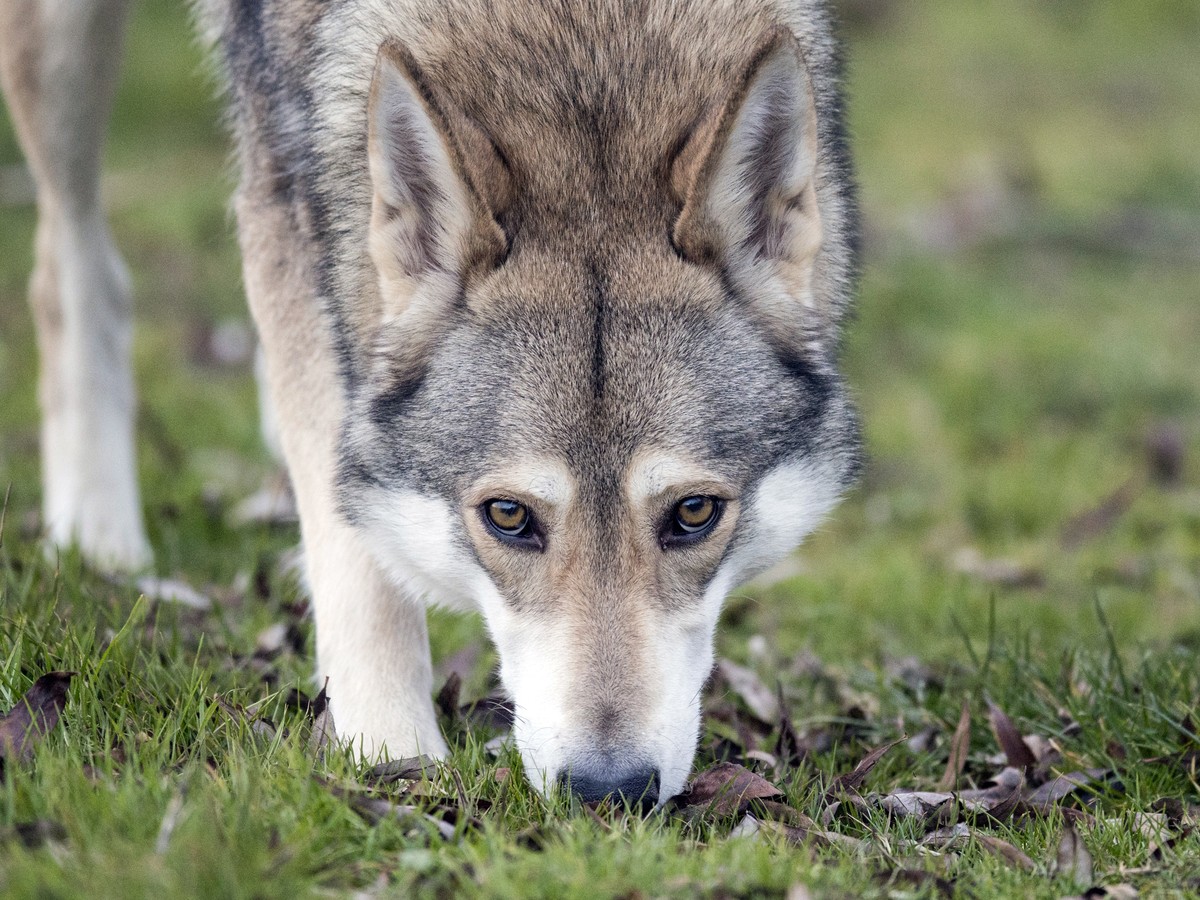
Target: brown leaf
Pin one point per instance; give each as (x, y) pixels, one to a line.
(960, 745)
(1073, 860)
(906, 804)
(1057, 788)
(995, 804)
(324, 733)
(1188, 761)
(725, 787)
(1010, 853)
(759, 699)
(1094, 523)
(34, 716)
(852, 781)
(1016, 751)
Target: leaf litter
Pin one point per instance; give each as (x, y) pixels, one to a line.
(767, 762)
(33, 717)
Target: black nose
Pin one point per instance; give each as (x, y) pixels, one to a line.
(637, 788)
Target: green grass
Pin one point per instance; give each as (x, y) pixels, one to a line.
(1010, 370)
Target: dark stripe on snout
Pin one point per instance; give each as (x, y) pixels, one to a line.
(598, 291)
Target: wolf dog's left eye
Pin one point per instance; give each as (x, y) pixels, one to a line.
(693, 518)
(511, 522)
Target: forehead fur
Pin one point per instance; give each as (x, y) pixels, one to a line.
(593, 363)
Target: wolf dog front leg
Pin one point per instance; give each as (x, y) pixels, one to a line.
(372, 642)
(59, 63)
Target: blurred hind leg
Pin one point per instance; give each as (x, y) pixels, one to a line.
(59, 62)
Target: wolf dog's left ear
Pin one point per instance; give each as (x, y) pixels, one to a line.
(746, 178)
(435, 179)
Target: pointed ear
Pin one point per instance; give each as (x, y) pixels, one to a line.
(746, 177)
(430, 223)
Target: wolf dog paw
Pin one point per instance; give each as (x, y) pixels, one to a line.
(109, 542)
(377, 735)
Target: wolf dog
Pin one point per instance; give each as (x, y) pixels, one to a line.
(549, 294)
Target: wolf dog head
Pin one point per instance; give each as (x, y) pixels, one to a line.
(603, 389)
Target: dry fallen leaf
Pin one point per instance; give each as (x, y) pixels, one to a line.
(725, 788)
(324, 733)
(1015, 749)
(960, 745)
(759, 699)
(852, 781)
(1056, 789)
(33, 717)
(1073, 861)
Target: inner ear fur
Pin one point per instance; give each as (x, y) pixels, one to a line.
(438, 185)
(745, 177)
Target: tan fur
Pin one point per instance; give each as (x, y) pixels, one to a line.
(561, 197)
(354, 603)
(528, 251)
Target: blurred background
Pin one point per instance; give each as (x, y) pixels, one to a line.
(1025, 355)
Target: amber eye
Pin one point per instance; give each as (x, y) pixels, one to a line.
(695, 514)
(507, 516)
(512, 523)
(692, 519)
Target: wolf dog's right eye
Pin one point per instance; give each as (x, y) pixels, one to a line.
(511, 522)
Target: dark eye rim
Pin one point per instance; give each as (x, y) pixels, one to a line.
(672, 535)
(530, 536)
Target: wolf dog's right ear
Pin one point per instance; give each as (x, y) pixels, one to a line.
(436, 181)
